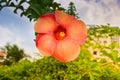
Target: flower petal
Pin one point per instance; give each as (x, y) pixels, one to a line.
(46, 44)
(63, 19)
(66, 50)
(77, 31)
(45, 24)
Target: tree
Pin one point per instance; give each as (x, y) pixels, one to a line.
(13, 54)
(72, 10)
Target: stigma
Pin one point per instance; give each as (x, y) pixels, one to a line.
(62, 34)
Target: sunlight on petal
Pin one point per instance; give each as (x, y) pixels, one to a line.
(45, 24)
(66, 50)
(77, 31)
(46, 44)
(63, 19)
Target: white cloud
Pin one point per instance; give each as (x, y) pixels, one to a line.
(5, 35)
(92, 12)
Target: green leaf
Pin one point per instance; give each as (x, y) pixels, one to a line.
(36, 8)
(91, 76)
(12, 4)
(114, 55)
(118, 59)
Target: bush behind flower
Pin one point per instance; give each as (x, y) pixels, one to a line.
(85, 67)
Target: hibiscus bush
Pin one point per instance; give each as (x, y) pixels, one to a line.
(102, 64)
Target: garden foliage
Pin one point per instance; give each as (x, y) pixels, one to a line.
(85, 67)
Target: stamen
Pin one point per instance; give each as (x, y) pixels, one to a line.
(62, 34)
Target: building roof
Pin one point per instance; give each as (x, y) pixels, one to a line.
(1, 54)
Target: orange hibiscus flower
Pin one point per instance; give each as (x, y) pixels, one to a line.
(60, 35)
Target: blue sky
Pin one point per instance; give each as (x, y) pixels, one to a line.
(19, 30)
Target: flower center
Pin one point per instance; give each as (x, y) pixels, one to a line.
(60, 33)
